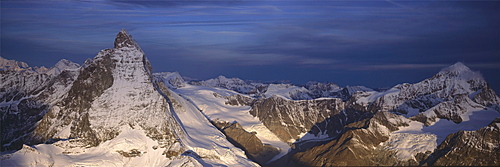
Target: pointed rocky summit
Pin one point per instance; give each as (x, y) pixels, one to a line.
(124, 39)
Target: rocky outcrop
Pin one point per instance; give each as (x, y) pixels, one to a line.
(247, 141)
(319, 89)
(235, 84)
(469, 148)
(360, 145)
(90, 84)
(113, 90)
(290, 119)
(25, 97)
(451, 110)
(172, 80)
(450, 83)
(238, 100)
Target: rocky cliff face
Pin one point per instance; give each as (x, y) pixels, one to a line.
(248, 141)
(449, 83)
(407, 118)
(360, 145)
(172, 80)
(290, 120)
(114, 89)
(114, 106)
(111, 106)
(469, 148)
(25, 97)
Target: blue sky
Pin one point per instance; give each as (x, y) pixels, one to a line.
(371, 43)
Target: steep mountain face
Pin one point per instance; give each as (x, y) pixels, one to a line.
(61, 66)
(410, 121)
(25, 97)
(289, 119)
(446, 85)
(172, 80)
(309, 91)
(113, 90)
(114, 109)
(12, 65)
(319, 89)
(248, 141)
(360, 145)
(235, 84)
(481, 148)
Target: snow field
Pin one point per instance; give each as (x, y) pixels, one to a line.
(215, 108)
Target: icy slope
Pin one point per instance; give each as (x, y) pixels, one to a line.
(60, 66)
(235, 84)
(112, 90)
(12, 65)
(449, 83)
(202, 138)
(172, 80)
(212, 102)
(110, 153)
(25, 98)
(116, 114)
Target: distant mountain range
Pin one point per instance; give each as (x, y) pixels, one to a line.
(114, 111)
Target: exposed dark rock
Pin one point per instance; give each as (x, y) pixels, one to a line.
(124, 39)
(247, 141)
(93, 80)
(469, 148)
(450, 110)
(359, 145)
(130, 153)
(288, 119)
(239, 100)
(35, 92)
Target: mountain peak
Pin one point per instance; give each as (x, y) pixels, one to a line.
(62, 65)
(124, 39)
(457, 67)
(459, 70)
(12, 65)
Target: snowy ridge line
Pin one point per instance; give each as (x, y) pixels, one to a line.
(171, 108)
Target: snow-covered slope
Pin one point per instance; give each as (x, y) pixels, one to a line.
(62, 65)
(116, 113)
(113, 111)
(287, 91)
(235, 84)
(204, 139)
(172, 80)
(453, 83)
(12, 65)
(311, 90)
(214, 103)
(25, 97)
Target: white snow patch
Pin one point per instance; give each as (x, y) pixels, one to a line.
(407, 145)
(103, 155)
(287, 91)
(416, 137)
(215, 108)
(205, 139)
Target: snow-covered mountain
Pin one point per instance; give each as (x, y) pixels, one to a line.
(309, 91)
(172, 80)
(410, 124)
(12, 65)
(113, 111)
(62, 65)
